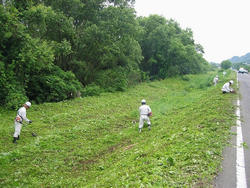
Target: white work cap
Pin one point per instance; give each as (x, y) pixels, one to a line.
(143, 101)
(28, 104)
(231, 81)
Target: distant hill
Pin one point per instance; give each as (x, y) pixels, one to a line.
(241, 59)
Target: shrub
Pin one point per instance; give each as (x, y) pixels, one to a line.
(185, 77)
(92, 90)
(14, 100)
(112, 80)
(54, 86)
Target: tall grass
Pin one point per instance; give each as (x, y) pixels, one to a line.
(94, 141)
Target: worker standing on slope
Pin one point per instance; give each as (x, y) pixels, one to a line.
(226, 87)
(216, 80)
(145, 112)
(21, 115)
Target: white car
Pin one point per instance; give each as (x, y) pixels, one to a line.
(242, 70)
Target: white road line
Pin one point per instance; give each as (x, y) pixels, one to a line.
(240, 161)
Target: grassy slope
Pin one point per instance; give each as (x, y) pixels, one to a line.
(94, 141)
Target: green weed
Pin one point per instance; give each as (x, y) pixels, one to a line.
(94, 141)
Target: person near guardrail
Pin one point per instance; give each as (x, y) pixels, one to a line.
(145, 112)
(226, 87)
(20, 117)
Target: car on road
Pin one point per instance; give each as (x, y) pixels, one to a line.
(242, 70)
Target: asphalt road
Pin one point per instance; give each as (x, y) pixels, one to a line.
(231, 176)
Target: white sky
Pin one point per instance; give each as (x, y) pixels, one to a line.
(222, 27)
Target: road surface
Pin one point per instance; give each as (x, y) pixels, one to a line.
(236, 164)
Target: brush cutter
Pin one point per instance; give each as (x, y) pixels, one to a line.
(33, 134)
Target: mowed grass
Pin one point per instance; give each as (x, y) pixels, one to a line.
(94, 141)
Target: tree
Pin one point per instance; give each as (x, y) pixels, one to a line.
(25, 56)
(108, 44)
(226, 64)
(169, 50)
(49, 50)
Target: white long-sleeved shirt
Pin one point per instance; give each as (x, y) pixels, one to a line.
(144, 109)
(22, 114)
(226, 87)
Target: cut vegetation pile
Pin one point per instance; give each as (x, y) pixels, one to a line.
(94, 141)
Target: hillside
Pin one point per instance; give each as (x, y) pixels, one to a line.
(94, 141)
(241, 59)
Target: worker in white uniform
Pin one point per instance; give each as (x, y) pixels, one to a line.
(226, 87)
(216, 80)
(20, 117)
(145, 112)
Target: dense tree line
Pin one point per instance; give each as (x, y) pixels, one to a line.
(52, 50)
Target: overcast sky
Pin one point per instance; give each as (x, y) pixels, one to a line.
(222, 27)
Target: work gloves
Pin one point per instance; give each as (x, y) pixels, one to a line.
(150, 114)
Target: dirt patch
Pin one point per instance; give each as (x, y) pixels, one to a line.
(129, 147)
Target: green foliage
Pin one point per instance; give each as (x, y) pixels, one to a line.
(185, 77)
(170, 161)
(247, 67)
(112, 80)
(94, 141)
(221, 70)
(168, 50)
(214, 66)
(91, 90)
(227, 71)
(109, 44)
(197, 84)
(144, 76)
(54, 86)
(27, 70)
(99, 45)
(45, 23)
(237, 65)
(14, 99)
(226, 64)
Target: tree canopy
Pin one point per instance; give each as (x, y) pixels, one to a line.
(226, 64)
(52, 50)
